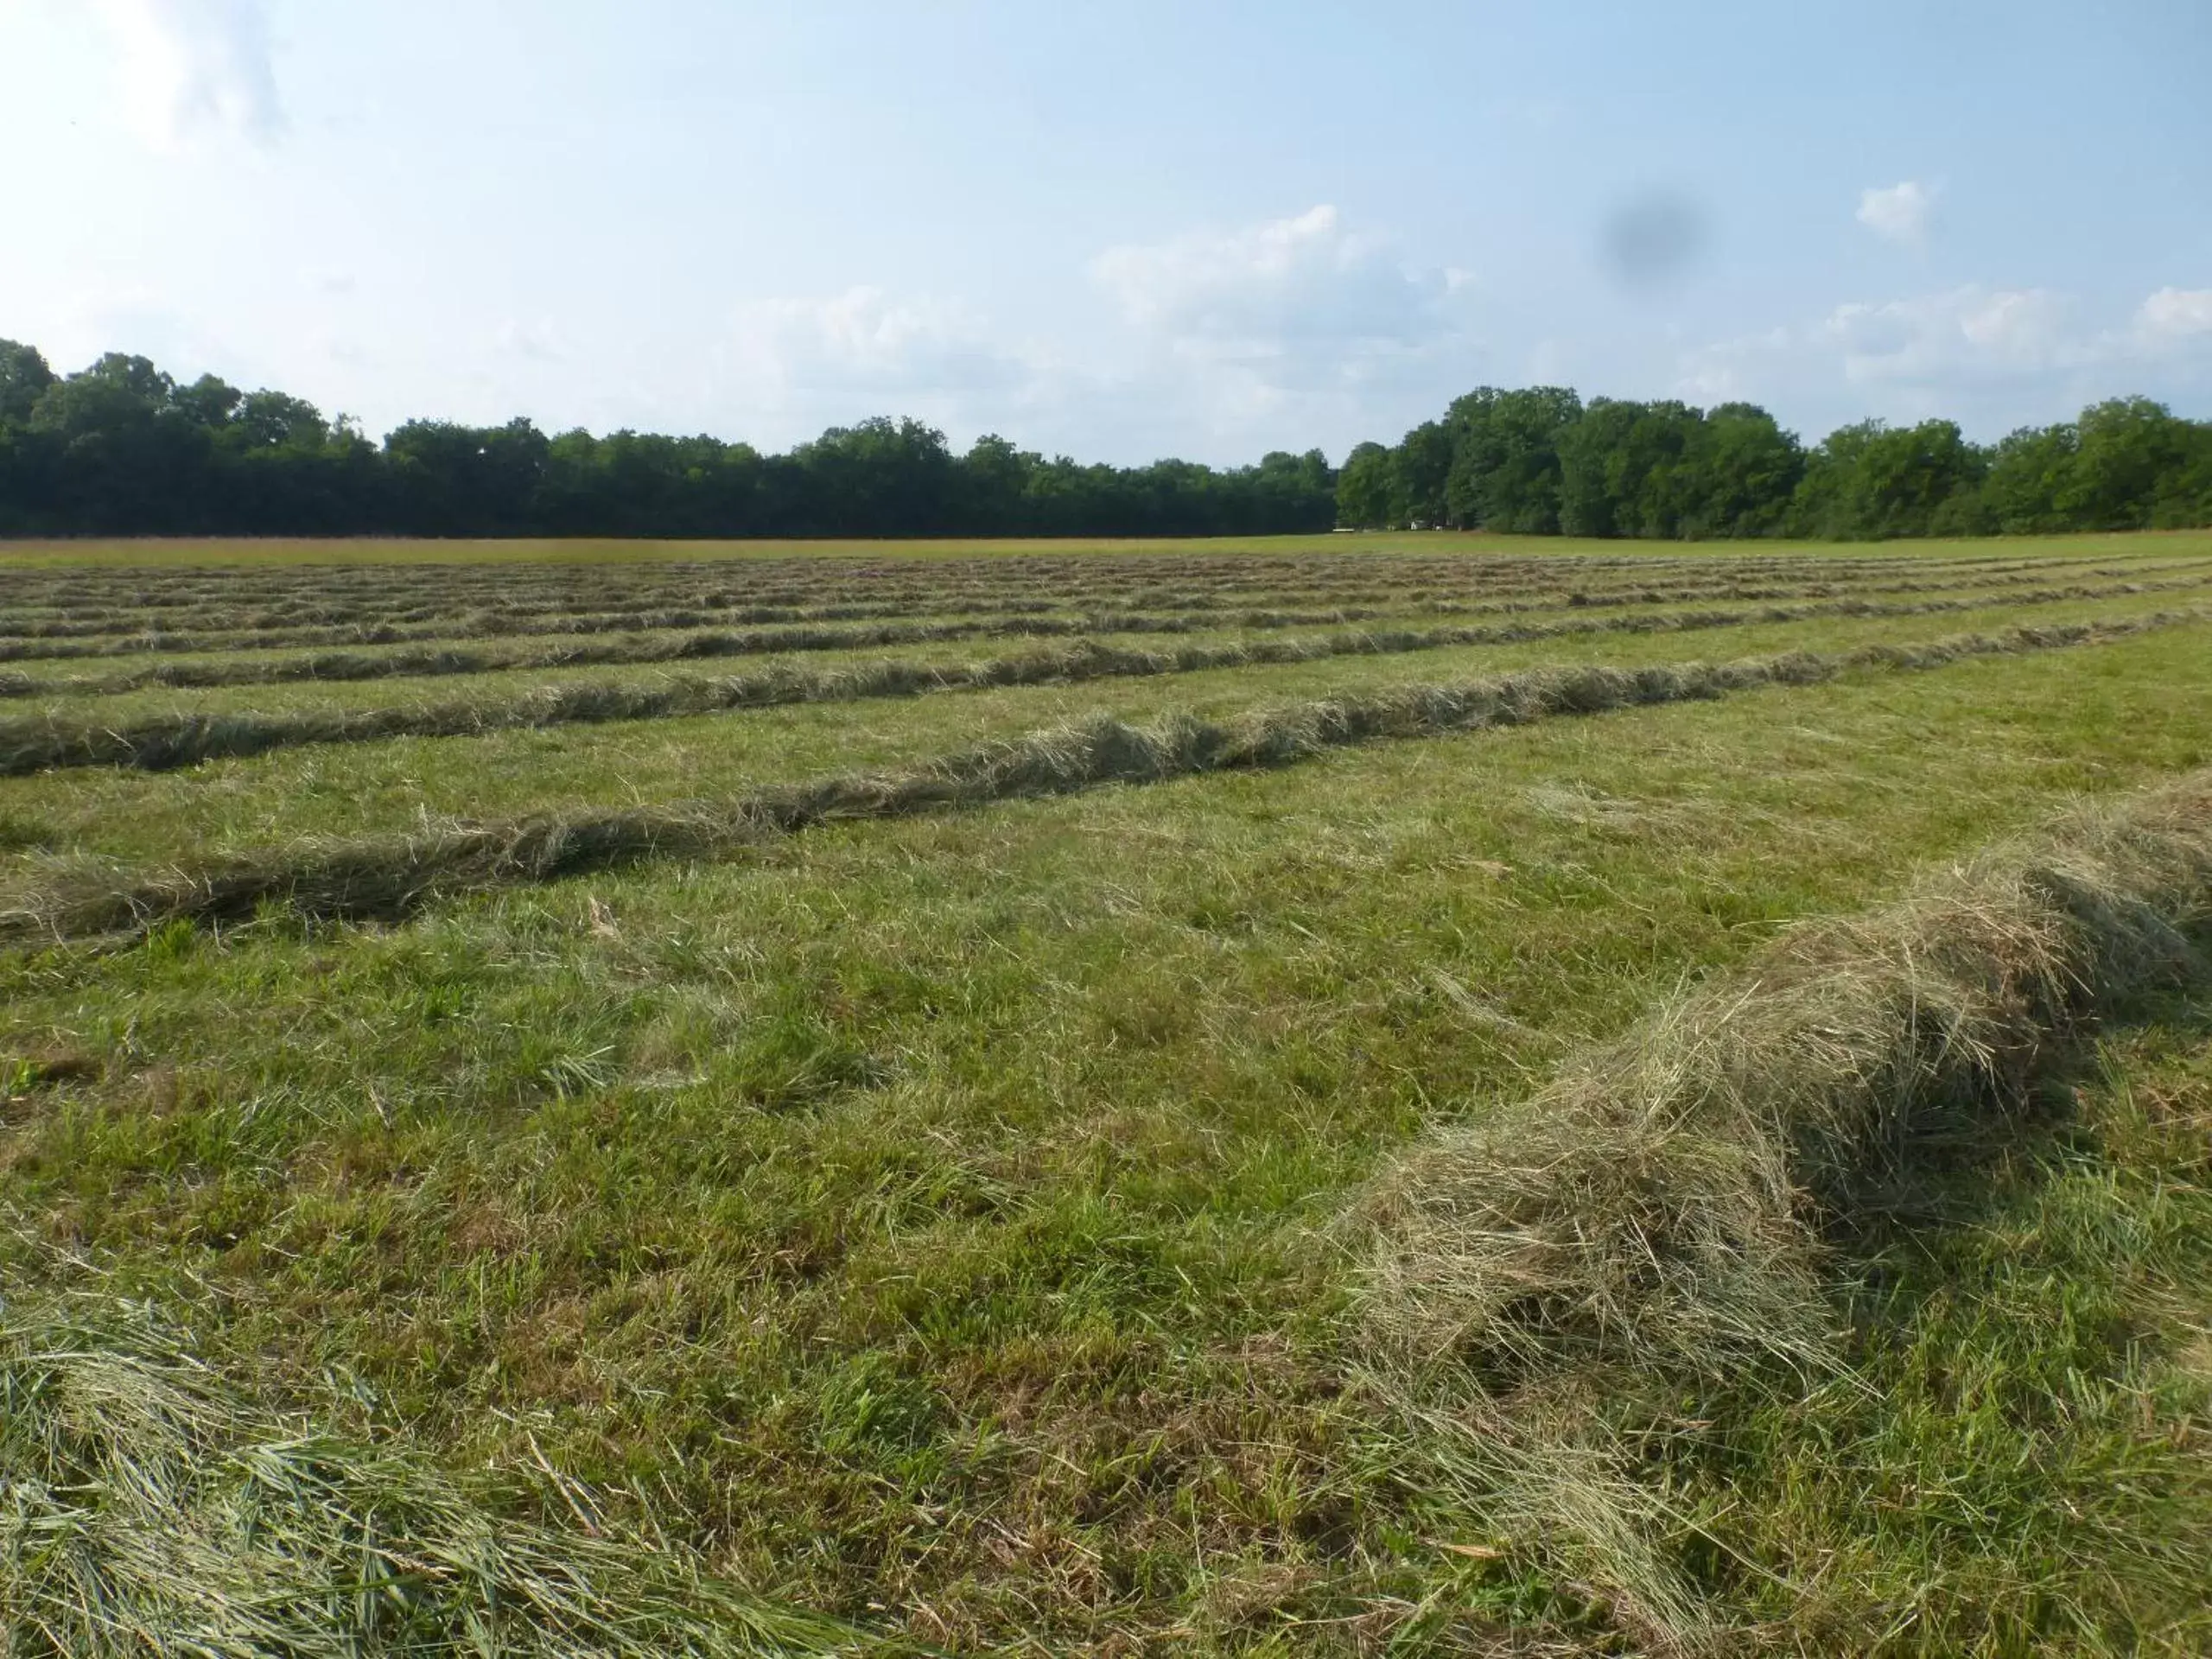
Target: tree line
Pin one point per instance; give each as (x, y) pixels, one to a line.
(124, 449)
(1540, 461)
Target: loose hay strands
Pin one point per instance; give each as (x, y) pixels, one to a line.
(1545, 1285)
(146, 1509)
(164, 742)
(388, 877)
(608, 637)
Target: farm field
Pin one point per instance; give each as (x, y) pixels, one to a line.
(1327, 1095)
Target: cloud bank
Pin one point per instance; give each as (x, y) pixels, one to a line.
(1988, 356)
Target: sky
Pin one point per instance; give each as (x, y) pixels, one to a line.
(1206, 228)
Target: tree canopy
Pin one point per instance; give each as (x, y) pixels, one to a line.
(123, 448)
(1540, 461)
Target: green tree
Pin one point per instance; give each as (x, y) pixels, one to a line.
(1422, 472)
(1872, 480)
(24, 378)
(1366, 489)
(2123, 450)
(1505, 459)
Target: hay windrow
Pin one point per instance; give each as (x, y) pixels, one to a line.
(922, 618)
(166, 742)
(1657, 1203)
(148, 1508)
(1543, 1283)
(387, 878)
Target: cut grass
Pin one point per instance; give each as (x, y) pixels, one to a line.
(257, 668)
(941, 1212)
(147, 1508)
(1555, 1279)
(167, 742)
(137, 625)
(386, 880)
(401, 785)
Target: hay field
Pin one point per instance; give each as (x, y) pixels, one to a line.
(1349, 1095)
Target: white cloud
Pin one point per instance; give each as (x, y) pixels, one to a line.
(866, 339)
(1291, 300)
(191, 67)
(1902, 213)
(2175, 313)
(1291, 332)
(1965, 333)
(1994, 358)
(787, 367)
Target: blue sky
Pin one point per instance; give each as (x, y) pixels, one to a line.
(1206, 228)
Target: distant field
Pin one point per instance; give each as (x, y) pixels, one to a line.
(880, 1070)
(202, 550)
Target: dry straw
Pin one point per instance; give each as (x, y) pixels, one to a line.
(1654, 1219)
(147, 1510)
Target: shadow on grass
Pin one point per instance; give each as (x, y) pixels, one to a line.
(2018, 1459)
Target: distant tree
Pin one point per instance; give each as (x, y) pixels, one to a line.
(1422, 475)
(1505, 458)
(2029, 471)
(449, 479)
(2125, 447)
(1747, 471)
(1872, 480)
(991, 487)
(1366, 490)
(880, 477)
(122, 446)
(207, 402)
(2184, 495)
(24, 378)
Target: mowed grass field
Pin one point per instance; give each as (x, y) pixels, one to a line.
(875, 1075)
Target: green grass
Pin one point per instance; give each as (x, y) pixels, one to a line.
(937, 1222)
(233, 806)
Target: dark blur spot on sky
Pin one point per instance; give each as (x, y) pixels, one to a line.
(1654, 238)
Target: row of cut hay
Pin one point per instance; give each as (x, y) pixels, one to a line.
(1546, 1285)
(523, 596)
(524, 605)
(808, 637)
(420, 662)
(755, 581)
(146, 1509)
(112, 634)
(913, 624)
(166, 741)
(385, 878)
